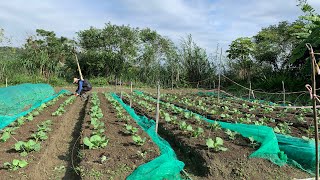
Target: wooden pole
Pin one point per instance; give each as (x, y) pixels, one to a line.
(6, 82)
(158, 106)
(219, 85)
(284, 93)
(131, 94)
(250, 90)
(120, 89)
(79, 69)
(116, 84)
(313, 61)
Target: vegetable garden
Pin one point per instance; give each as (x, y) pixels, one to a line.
(199, 137)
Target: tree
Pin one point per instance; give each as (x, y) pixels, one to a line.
(195, 61)
(240, 54)
(274, 44)
(107, 51)
(46, 54)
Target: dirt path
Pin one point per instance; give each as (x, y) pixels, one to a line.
(56, 161)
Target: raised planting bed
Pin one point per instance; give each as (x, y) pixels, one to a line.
(208, 159)
(297, 123)
(120, 151)
(35, 134)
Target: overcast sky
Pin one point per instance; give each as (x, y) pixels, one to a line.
(209, 21)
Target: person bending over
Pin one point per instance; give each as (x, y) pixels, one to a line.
(83, 87)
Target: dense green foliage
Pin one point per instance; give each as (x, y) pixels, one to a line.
(276, 53)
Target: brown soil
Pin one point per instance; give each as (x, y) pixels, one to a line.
(54, 159)
(297, 129)
(232, 164)
(122, 155)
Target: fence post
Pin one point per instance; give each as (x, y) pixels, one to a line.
(284, 93)
(219, 85)
(158, 106)
(120, 89)
(314, 105)
(250, 90)
(131, 94)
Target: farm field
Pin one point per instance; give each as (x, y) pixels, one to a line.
(101, 138)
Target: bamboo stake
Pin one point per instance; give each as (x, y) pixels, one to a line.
(250, 90)
(158, 107)
(131, 94)
(313, 61)
(120, 89)
(79, 69)
(219, 85)
(284, 93)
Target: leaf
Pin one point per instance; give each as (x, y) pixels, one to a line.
(223, 148)
(23, 163)
(276, 129)
(5, 136)
(210, 143)
(87, 142)
(23, 154)
(95, 138)
(15, 162)
(189, 128)
(219, 141)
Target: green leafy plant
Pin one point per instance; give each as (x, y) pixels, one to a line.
(40, 135)
(198, 132)
(25, 147)
(183, 125)
(99, 132)
(138, 140)
(95, 142)
(7, 132)
(231, 134)
(129, 129)
(20, 121)
(283, 128)
(216, 145)
(15, 165)
(253, 143)
(35, 113)
(214, 126)
(59, 111)
(29, 117)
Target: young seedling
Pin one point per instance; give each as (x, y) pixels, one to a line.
(214, 126)
(29, 117)
(216, 145)
(7, 132)
(129, 129)
(198, 132)
(232, 135)
(138, 140)
(40, 135)
(15, 165)
(253, 143)
(95, 142)
(25, 147)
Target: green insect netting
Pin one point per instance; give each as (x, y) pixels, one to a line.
(166, 166)
(279, 149)
(19, 100)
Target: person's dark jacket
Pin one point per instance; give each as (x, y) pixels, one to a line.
(83, 86)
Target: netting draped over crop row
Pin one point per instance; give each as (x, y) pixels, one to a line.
(166, 166)
(19, 100)
(279, 149)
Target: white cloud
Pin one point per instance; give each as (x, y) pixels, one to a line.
(209, 21)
